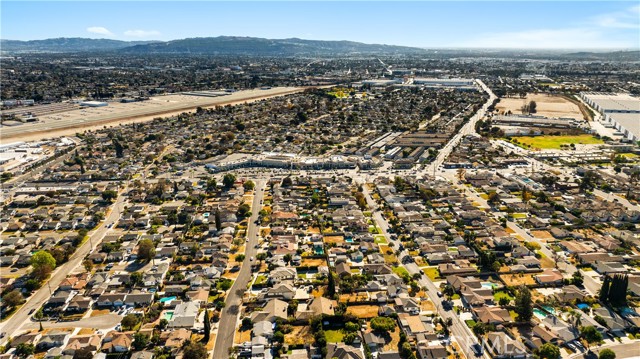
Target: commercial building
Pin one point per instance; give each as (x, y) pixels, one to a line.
(93, 104)
(620, 110)
(435, 82)
(536, 121)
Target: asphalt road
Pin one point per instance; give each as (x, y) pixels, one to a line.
(106, 321)
(229, 316)
(458, 329)
(467, 129)
(19, 318)
(623, 351)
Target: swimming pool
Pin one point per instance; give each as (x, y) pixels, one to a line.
(627, 310)
(168, 315)
(539, 313)
(583, 306)
(549, 309)
(167, 299)
(489, 285)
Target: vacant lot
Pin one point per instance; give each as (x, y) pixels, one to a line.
(353, 297)
(554, 142)
(427, 305)
(549, 106)
(313, 262)
(299, 335)
(333, 239)
(363, 311)
(518, 279)
(543, 235)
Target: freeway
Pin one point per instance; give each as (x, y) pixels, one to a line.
(229, 316)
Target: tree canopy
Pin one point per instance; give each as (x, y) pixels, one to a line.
(228, 180)
(524, 304)
(146, 250)
(383, 324)
(549, 351)
(43, 264)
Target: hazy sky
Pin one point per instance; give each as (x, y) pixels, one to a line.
(508, 24)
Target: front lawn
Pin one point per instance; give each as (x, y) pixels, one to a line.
(380, 239)
(261, 279)
(432, 273)
(401, 272)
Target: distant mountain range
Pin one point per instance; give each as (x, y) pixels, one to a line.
(66, 44)
(253, 46)
(222, 45)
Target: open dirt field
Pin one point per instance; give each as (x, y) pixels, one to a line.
(79, 120)
(313, 262)
(363, 311)
(242, 336)
(299, 335)
(333, 239)
(518, 279)
(353, 297)
(549, 106)
(543, 235)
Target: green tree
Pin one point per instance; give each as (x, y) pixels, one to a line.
(240, 257)
(163, 324)
(212, 185)
(228, 180)
(604, 289)
(194, 350)
(479, 329)
(43, 264)
(524, 304)
(207, 327)
(24, 350)
(287, 182)
(331, 285)
(88, 265)
(129, 321)
(383, 324)
(13, 298)
(249, 185)
(246, 322)
(146, 250)
(244, 210)
(135, 278)
(549, 351)
(109, 196)
(607, 354)
(591, 335)
(140, 341)
(577, 279)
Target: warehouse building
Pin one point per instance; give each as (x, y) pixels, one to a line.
(620, 110)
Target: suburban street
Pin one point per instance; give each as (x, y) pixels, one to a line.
(229, 316)
(459, 329)
(21, 316)
(623, 351)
